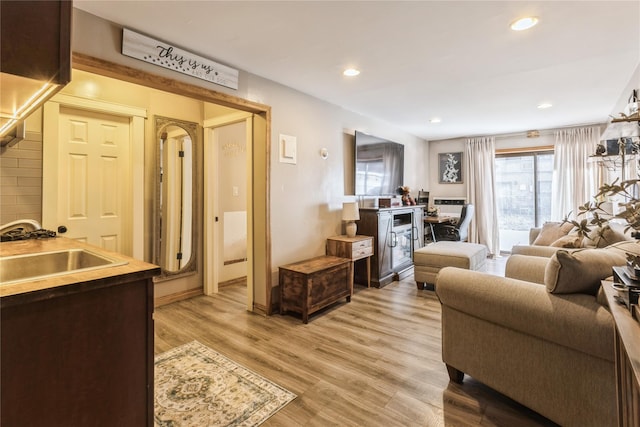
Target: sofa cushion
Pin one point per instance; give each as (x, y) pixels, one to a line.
(581, 271)
(526, 268)
(552, 231)
(568, 241)
(539, 251)
(625, 247)
(603, 237)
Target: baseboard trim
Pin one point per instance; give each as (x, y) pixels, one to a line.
(238, 281)
(179, 296)
(260, 309)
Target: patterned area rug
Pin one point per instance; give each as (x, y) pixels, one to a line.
(196, 386)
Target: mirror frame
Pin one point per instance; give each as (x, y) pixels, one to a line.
(191, 267)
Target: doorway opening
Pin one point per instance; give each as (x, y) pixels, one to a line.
(227, 166)
(258, 247)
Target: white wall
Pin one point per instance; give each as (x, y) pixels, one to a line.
(634, 83)
(306, 198)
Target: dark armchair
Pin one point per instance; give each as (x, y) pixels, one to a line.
(458, 232)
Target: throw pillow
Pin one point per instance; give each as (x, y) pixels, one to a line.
(603, 237)
(568, 241)
(581, 271)
(552, 231)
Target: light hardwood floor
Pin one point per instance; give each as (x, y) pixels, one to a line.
(375, 361)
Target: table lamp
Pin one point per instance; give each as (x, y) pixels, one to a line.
(350, 213)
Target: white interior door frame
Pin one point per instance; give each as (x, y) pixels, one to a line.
(212, 248)
(134, 203)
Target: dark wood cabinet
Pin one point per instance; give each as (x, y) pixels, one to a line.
(80, 359)
(36, 39)
(35, 60)
(77, 349)
(397, 232)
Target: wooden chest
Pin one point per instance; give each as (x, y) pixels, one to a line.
(310, 285)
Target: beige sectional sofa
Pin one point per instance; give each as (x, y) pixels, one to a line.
(541, 335)
(546, 240)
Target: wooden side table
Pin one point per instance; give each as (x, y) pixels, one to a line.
(354, 248)
(312, 284)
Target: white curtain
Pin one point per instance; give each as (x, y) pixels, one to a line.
(480, 171)
(574, 179)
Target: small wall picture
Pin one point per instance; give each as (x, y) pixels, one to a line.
(450, 168)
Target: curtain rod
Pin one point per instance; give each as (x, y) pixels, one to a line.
(524, 149)
(499, 136)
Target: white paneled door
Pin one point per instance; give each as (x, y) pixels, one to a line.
(93, 164)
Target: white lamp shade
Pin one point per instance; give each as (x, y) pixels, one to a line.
(350, 211)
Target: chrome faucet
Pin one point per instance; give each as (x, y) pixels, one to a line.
(25, 224)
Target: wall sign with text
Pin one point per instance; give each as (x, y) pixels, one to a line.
(167, 56)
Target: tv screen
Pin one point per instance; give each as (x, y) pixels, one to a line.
(379, 165)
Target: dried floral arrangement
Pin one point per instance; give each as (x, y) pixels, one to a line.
(593, 215)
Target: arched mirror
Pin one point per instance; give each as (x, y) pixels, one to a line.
(175, 197)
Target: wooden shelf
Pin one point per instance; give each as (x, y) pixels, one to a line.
(632, 118)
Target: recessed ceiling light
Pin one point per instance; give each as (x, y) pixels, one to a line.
(544, 105)
(524, 23)
(435, 120)
(351, 72)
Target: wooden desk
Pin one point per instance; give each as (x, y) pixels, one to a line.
(627, 345)
(440, 219)
(312, 284)
(354, 248)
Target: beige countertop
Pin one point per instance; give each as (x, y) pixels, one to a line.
(50, 286)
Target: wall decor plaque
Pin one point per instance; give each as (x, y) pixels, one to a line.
(168, 56)
(450, 168)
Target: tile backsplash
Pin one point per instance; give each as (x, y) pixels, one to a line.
(21, 180)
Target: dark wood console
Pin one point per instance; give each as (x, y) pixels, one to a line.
(397, 232)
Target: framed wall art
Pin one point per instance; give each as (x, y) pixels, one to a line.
(450, 168)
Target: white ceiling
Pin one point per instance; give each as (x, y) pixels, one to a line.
(457, 60)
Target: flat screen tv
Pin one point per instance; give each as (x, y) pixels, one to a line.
(379, 168)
